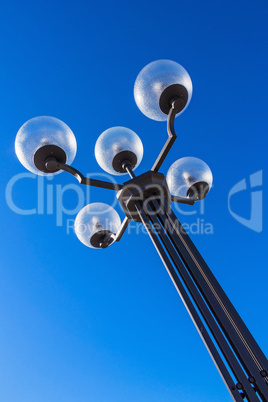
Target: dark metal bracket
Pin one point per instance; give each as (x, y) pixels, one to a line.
(141, 188)
(182, 200)
(52, 164)
(122, 229)
(176, 106)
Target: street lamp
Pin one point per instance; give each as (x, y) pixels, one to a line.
(162, 91)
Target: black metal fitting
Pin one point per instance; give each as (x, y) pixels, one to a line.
(102, 239)
(172, 92)
(142, 188)
(47, 151)
(106, 240)
(121, 157)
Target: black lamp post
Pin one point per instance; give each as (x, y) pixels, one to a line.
(162, 91)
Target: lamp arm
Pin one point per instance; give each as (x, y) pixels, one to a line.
(182, 200)
(122, 229)
(52, 164)
(176, 106)
(111, 238)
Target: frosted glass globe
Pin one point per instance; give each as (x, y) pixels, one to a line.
(189, 177)
(94, 222)
(116, 145)
(39, 132)
(156, 79)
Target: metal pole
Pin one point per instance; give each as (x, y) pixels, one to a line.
(205, 306)
(224, 312)
(230, 384)
(208, 316)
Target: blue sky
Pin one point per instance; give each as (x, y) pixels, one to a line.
(85, 325)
